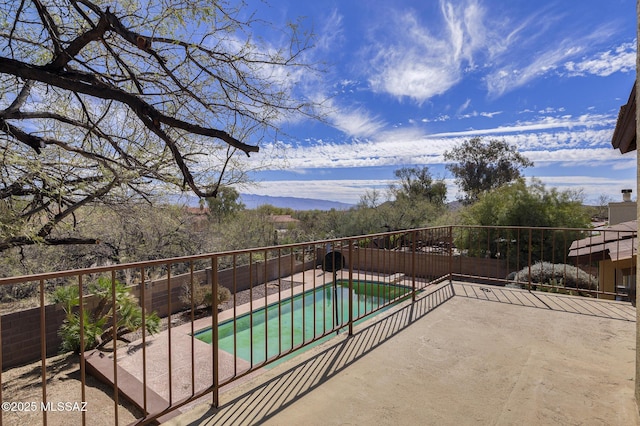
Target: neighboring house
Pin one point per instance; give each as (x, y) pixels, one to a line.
(624, 139)
(614, 248)
(283, 222)
(623, 211)
(197, 211)
(624, 135)
(199, 216)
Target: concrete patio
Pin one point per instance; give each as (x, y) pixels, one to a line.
(461, 354)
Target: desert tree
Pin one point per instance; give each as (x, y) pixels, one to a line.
(225, 204)
(417, 184)
(413, 200)
(480, 166)
(419, 198)
(601, 209)
(556, 219)
(108, 101)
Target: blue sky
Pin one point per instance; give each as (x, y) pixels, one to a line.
(408, 80)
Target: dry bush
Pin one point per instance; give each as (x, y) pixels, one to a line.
(202, 295)
(556, 275)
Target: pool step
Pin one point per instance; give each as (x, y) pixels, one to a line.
(100, 365)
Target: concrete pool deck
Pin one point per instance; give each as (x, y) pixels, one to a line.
(462, 354)
(173, 384)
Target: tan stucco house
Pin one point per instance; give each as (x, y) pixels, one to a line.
(624, 139)
(614, 249)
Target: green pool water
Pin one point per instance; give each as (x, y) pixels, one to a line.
(282, 326)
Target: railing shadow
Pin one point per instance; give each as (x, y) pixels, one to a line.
(277, 393)
(601, 308)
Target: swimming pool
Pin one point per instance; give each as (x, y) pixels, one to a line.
(268, 332)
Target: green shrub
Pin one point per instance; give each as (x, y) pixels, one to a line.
(69, 331)
(98, 323)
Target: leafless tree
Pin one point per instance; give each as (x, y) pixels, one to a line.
(104, 101)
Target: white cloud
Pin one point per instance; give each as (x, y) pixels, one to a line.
(551, 110)
(592, 157)
(356, 123)
(414, 62)
(584, 139)
(480, 114)
(512, 76)
(391, 147)
(490, 114)
(409, 59)
(546, 123)
(440, 118)
(592, 187)
(464, 106)
(331, 34)
(554, 140)
(629, 163)
(346, 191)
(620, 59)
(521, 59)
(350, 190)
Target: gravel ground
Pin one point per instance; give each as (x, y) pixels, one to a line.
(22, 390)
(258, 293)
(23, 384)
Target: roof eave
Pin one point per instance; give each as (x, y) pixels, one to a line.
(624, 135)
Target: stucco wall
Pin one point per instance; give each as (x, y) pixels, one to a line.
(20, 331)
(622, 212)
(425, 265)
(607, 274)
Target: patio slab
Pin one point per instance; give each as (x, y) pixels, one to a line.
(186, 370)
(462, 354)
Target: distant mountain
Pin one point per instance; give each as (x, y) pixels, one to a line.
(252, 201)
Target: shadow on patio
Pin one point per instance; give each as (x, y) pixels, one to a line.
(531, 358)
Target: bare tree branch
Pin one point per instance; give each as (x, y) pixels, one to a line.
(25, 241)
(102, 104)
(89, 85)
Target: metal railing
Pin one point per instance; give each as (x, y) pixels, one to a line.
(281, 299)
(596, 263)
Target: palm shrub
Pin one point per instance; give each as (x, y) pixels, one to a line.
(98, 323)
